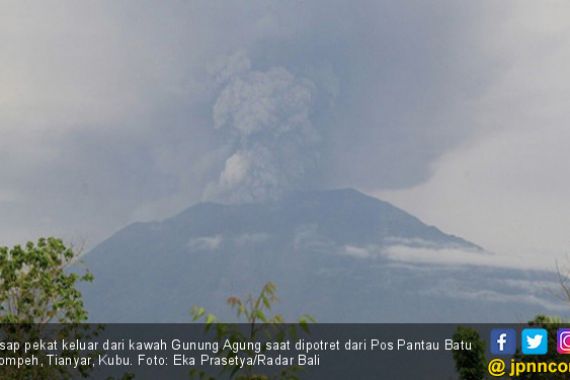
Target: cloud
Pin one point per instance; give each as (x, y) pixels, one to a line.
(459, 257)
(229, 67)
(450, 273)
(266, 116)
(507, 189)
(102, 111)
(205, 243)
(109, 112)
(306, 237)
(454, 289)
(357, 252)
(6, 196)
(447, 256)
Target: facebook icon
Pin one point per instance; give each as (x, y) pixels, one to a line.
(503, 341)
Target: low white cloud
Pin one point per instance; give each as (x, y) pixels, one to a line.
(440, 256)
(307, 238)
(506, 280)
(454, 290)
(357, 252)
(460, 257)
(205, 243)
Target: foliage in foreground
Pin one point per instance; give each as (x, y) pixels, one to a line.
(36, 290)
(34, 286)
(470, 365)
(256, 313)
(551, 325)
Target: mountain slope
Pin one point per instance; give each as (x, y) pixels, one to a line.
(324, 250)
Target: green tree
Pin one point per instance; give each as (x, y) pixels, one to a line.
(551, 325)
(470, 364)
(256, 313)
(36, 289)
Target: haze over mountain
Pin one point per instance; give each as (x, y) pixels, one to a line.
(333, 254)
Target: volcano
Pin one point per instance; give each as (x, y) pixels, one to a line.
(328, 252)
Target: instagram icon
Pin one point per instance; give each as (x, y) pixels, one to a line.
(563, 343)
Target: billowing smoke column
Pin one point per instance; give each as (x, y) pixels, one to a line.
(266, 115)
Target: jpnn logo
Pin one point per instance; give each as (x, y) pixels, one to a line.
(534, 341)
(503, 341)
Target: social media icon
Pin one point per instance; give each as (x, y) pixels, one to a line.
(534, 341)
(563, 341)
(503, 341)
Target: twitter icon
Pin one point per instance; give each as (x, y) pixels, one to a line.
(534, 341)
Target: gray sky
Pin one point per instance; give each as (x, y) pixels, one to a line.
(113, 112)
